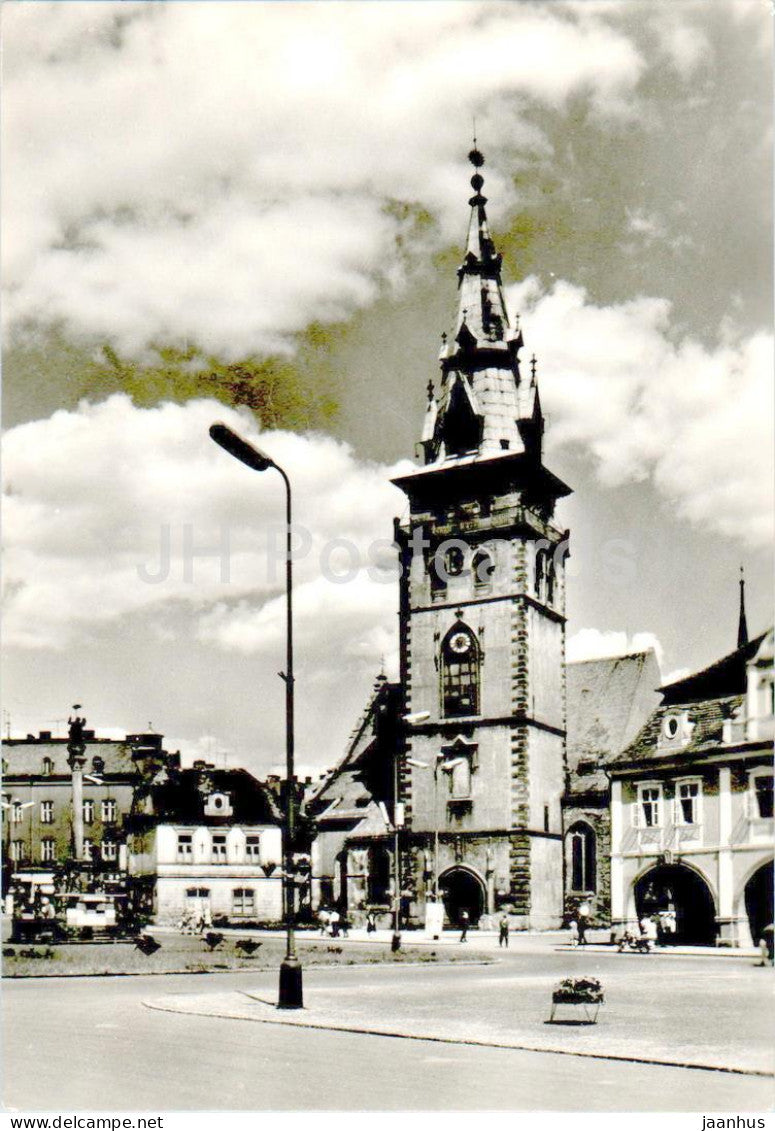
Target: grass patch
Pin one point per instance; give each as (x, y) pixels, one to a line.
(186, 954)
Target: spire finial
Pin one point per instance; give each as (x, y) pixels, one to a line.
(742, 624)
(430, 390)
(533, 366)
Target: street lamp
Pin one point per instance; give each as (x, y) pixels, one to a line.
(291, 994)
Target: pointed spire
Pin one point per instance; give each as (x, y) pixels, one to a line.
(742, 624)
(482, 406)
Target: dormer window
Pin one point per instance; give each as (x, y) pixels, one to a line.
(218, 805)
(676, 729)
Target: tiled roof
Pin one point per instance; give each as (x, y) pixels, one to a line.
(707, 717)
(26, 758)
(363, 774)
(180, 796)
(608, 700)
(726, 676)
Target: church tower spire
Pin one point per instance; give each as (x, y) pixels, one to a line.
(742, 623)
(484, 406)
(482, 620)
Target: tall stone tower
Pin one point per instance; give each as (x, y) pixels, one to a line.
(482, 616)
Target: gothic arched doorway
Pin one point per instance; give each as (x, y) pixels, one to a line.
(674, 887)
(758, 901)
(462, 890)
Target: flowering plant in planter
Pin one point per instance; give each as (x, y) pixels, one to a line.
(578, 991)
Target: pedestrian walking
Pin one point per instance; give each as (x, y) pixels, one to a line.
(371, 923)
(323, 916)
(465, 919)
(503, 931)
(573, 927)
(334, 920)
(583, 923)
(344, 925)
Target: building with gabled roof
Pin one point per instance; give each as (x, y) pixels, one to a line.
(692, 804)
(206, 843)
(353, 812)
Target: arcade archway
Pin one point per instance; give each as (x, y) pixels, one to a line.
(676, 888)
(462, 890)
(758, 901)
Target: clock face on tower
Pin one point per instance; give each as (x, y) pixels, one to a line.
(460, 643)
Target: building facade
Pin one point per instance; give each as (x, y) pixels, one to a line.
(206, 843)
(692, 805)
(38, 799)
(609, 700)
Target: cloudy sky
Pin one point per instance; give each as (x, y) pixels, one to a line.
(254, 212)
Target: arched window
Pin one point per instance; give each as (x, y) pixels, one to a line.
(48, 767)
(460, 663)
(540, 574)
(379, 874)
(583, 858)
(549, 580)
(483, 566)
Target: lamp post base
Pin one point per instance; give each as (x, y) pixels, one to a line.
(291, 994)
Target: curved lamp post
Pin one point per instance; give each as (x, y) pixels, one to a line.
(291, 994)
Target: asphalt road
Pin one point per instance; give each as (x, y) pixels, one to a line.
(90, 1044)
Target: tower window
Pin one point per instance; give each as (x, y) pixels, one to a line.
(483, 567)
(460, 663)
(540, 574)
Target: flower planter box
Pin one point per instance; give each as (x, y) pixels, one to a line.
(586, 992)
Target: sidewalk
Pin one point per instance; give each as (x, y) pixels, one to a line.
(521, 941)
(502, 1012)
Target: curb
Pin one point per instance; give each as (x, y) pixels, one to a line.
(248, 970)
(519, 1047)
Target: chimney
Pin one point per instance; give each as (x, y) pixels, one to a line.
(45, 736)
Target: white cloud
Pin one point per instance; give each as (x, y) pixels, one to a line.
(647, 403)
(91, 493)
(594, 644)
(219, 172)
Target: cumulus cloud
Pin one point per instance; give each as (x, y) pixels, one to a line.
(102, 503)
(217, 173)
(594, 644)
(622, 383)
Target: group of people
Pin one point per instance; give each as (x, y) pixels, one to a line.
(333, 923)
(654, 930)
(194, 922)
